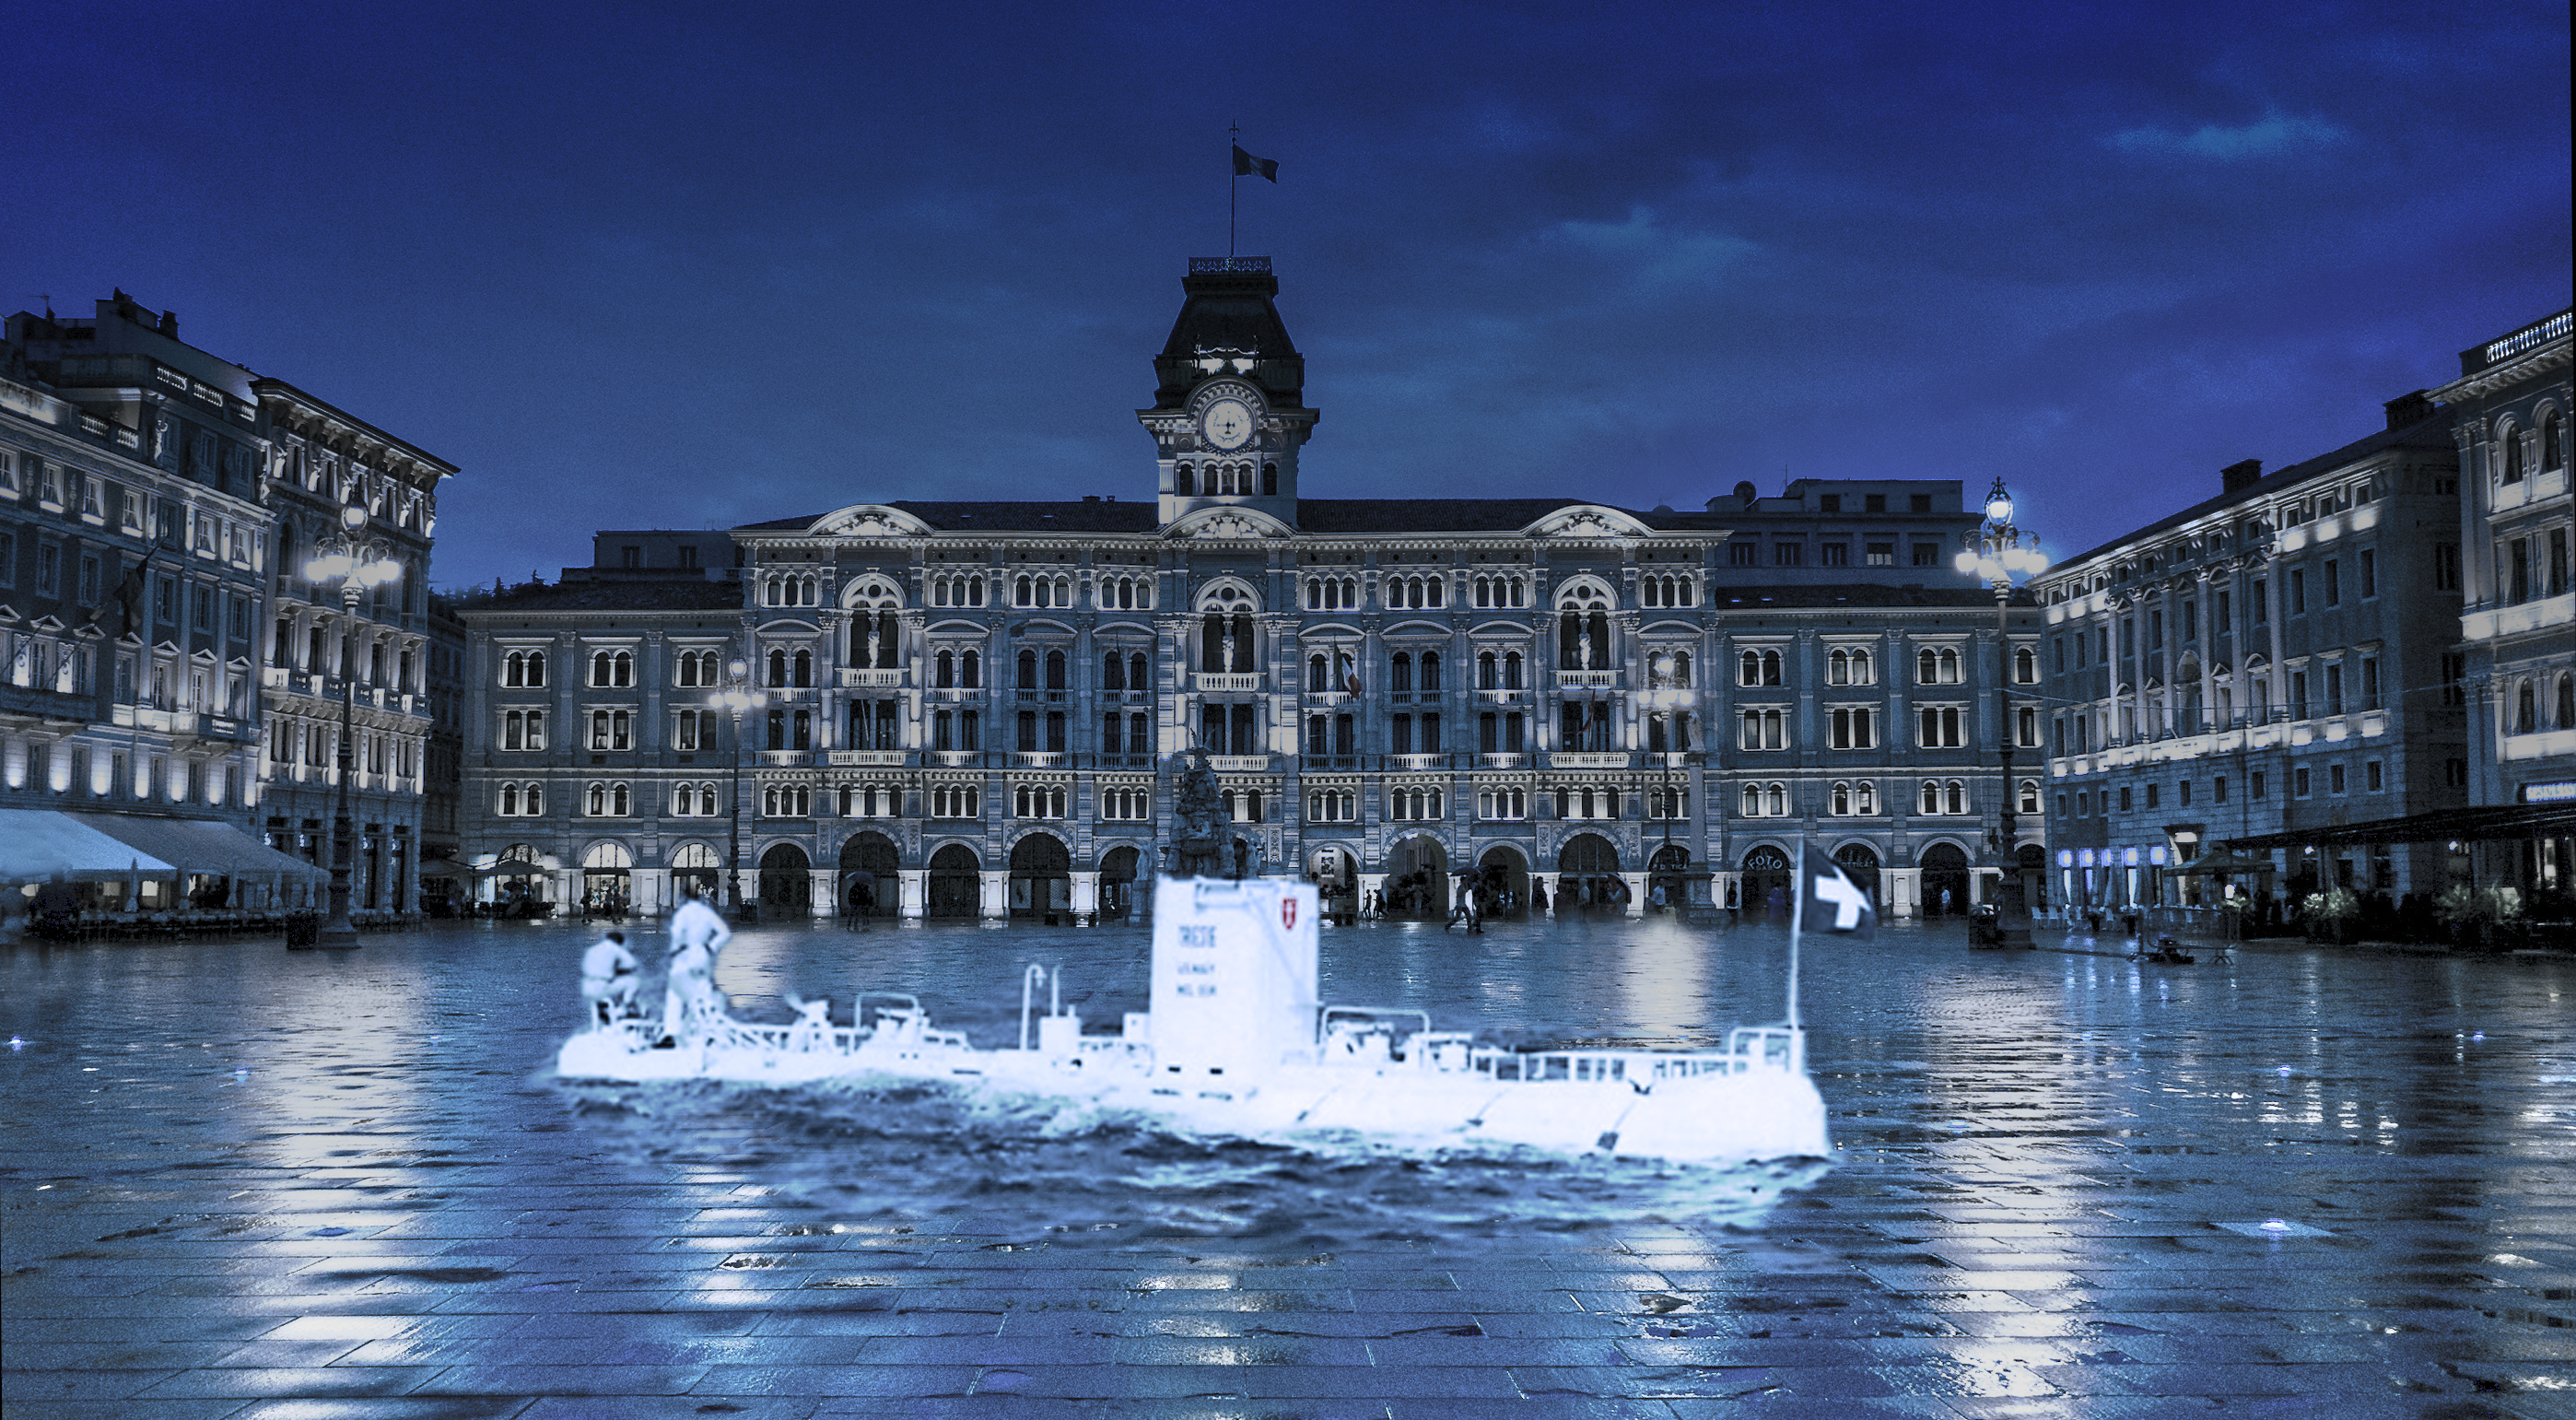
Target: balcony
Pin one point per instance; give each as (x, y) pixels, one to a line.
(784, 758)
(1502, 761)
(2494, 621)
(954, 758)
(1588, 759)
(1239, 763)
(1417, 761)
(1041, 759)
(867, 758)
(1588, 680)
(1227, 684)
(888, 678)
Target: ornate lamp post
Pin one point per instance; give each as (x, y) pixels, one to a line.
(1994, 554)
(736, 697)
(1665, 695)
(359, 567)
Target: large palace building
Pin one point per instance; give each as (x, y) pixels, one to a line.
(983, 706)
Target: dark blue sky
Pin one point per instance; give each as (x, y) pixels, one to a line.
(645, 266)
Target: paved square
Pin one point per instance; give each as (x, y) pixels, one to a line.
(241, 1182)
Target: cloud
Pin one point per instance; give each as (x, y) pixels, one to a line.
(2276, 134)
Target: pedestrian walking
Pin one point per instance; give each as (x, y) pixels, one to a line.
(609, 977)
(689, 993)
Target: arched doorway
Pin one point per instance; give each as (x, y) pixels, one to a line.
(1766, 884)
(956, 882)
(1859, 863)
(2034, 876)
(1945, 880)
(1669, 870)
(607, 880)
(871, 886)
(518, 882)
(695, 867)
(1337, 880)
(1417, 879)
(1506, 877)
(1041, 878)
(786, 882)
(1588, 874)
(1118, 884)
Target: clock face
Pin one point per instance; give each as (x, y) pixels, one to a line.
(1227, 423)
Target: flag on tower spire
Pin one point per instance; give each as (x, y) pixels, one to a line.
(1246, 165)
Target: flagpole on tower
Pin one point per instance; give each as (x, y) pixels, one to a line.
(1233, 142)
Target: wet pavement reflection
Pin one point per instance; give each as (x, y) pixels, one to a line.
(244, 1182)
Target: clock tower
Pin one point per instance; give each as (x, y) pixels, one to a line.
(1229, 413)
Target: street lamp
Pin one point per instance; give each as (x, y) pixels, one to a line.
(1665, 695)
(1994, 554)
(359, 567)
(736, 697)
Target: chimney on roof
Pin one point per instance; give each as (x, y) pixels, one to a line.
(2243, 474)
(1090, 497)
(169, 325)
(2409, 408)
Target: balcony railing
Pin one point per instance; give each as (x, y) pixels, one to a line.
(1588, 680)
(891, 676)
(1588, 759)
(1239, 763)
(1502, 761)
(785, 758)
(1041, 759)
(1417, 761)
(1227, 683)
(888, 758)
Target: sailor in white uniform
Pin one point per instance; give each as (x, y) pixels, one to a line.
(608, 979)
(697, 934)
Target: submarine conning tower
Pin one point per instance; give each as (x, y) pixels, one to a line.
(1234, 980)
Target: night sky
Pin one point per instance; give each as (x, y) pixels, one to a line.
(640, 266)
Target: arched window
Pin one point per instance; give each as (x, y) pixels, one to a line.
(1028, 667)
(1400, 674)
(1840, 803)
(1954, 797)
(2553, 442)
(778, 667)
(1181, 480)
(2025, 666)
(945, 676)
(1113, 672)
(1318, 673)
(970, 670)
(1775, 800)
(2567, 700)
(1949, 666)
(1055, 670)
(2029, 796)
(510, 799)
(1488, 671)
(804, 668)
(1511, 670)
(596, 801)
(2526, 709)
(1927, 667)
(1137, 679)
(1931, 796)
(2511, 439)
(1752, 807)
(1269, 480)
(1865, 798)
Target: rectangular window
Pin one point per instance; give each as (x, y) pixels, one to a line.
(2455, 674)
(2334, 690)
(2152, 794)
(2124, 800)
(2370, 682)
(2221, 624)
(2299, 783)
(2298, 591)
(1788, 554)
(2298, 695)
(2371, 776)
(49, 568)
(2369, 573)
(2262, 602)
(2260, 781)
(2218, 789)
(1882, 554)
(2333, 582)
(1926, 554)
(1740, 554)
(1829, 503)
(1874, 502)
(2334, 778)
(1833, 554)
(2446, 567)
(2184, 801)
(1919, 503)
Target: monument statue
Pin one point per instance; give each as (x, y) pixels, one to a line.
(1199, 849)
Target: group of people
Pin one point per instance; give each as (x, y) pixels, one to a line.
(611, 977)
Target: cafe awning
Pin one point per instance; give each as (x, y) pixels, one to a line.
(2488, 823)
(196, 845)
(37, 844)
